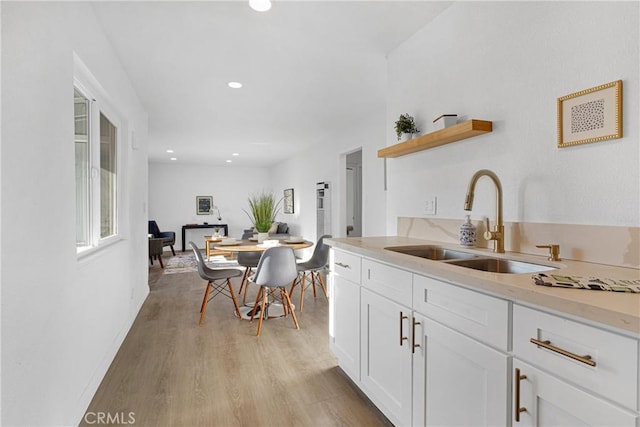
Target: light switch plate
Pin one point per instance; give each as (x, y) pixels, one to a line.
(430, 205)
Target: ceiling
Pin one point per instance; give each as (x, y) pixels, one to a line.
(306, 66)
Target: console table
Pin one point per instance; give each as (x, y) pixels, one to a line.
(188, 226)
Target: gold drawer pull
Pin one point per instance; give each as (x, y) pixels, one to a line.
(518, 409)
(586, 359)
(413, 335)
(402, 337)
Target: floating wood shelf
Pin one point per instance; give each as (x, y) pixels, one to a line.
(454, 133)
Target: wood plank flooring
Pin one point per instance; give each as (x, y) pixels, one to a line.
(172, 372)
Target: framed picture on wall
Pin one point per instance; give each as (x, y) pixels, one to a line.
(203, 205)
(590, 115)
(288, 201)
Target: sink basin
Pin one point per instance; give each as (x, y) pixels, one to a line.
(432, 252)
(499, 265)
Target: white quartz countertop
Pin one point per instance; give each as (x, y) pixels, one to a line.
(617, 309)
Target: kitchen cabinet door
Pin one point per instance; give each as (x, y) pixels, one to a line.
(385, 370)
(544, 400)
(344, 325)
(456, 380)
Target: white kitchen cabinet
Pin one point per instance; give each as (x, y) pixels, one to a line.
(457, 381)
(385, 370)
(428, 352)
(344, 311)
(344, 328)
(541, 399)
(391, 282)
(598, 360)
(483, 317)
(567, 373)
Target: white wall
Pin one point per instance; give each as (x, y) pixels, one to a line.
(509, 62)
(173, 189)
(63, 319)
(326, 162)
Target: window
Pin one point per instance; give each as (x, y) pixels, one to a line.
(108, 174)
(96, 162)
(81, 112)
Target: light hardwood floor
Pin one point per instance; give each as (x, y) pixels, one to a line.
(172, 372)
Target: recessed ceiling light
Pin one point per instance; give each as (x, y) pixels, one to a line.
(228, 161)
(169, 151)
(234, 85)
(260, 5)
(235, 154)
(174, 158)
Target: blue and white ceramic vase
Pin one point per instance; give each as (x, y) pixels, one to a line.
(467, 233)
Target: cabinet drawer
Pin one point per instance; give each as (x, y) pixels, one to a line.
(615, 373)
(547, 400)
(346, 265)
(388, 281)
(480, 316)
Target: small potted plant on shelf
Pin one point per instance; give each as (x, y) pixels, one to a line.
(263, 209)
(406, 125)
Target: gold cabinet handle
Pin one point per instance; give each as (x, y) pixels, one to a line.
(402, 337)
(586, 359)
(413, 336)
(518, 408)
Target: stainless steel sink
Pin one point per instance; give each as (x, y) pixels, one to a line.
(500, 265)
(431, 252)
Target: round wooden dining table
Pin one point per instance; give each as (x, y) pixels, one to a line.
(252, 246)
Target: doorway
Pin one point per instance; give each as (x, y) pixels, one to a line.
(354, 194)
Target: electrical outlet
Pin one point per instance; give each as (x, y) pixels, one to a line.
(430, 205)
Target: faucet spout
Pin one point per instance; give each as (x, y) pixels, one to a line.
(498, 234)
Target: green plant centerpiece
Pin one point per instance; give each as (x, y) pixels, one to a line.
(263, 209)
(405, 124)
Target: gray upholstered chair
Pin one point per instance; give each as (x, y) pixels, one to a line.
(168, 237)
(155, 250)
(312, 269)
(276, 269)
(218, 280)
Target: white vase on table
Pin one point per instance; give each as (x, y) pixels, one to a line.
(262, 237)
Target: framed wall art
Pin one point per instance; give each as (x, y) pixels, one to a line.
(590, 115)
(204, 205)
(288, 201)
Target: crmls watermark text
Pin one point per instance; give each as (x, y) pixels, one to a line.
(110, 418)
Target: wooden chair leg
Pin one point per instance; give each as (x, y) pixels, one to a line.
(205, 301)
(172, 250)
(233, 297)
(293, 314)
(293, 285)
(324, 286)
(246, 289)
(313, 283)
(160, 259)
(264, 303)
(302, 286)
(284, 302)
(244, 277)
(255, 305)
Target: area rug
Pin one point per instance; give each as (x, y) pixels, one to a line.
(187, 263)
